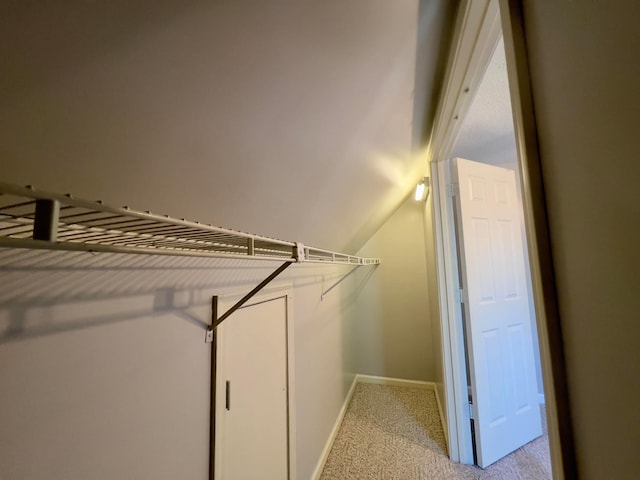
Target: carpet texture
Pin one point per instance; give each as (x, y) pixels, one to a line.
(394, 433)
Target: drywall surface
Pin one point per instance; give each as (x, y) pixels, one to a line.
(392, 330)
(585, 75)
(105, 372)
(277, 117)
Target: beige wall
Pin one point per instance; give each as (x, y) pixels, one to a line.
(105, 373)
(392, 329)
(585, 74)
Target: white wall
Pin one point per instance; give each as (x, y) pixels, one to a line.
(104, 369)
(392, 326)
(585, 76)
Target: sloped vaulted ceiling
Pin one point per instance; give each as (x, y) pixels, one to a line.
(300, 120)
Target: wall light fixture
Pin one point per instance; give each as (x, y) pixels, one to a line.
(422, 190)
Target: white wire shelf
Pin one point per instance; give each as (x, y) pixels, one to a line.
(31, 218)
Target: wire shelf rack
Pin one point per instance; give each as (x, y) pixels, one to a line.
(31, 218)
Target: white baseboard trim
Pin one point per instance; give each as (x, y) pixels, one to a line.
(334, 432)
(541, 399)
(396, 382)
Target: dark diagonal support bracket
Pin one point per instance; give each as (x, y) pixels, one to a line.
(215, 320)
(45, 222)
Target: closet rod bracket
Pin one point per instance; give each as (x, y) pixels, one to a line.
(322, 295)
(209, 335)
(45, 223)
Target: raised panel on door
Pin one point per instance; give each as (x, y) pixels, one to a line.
(251, 394)
(497, 315)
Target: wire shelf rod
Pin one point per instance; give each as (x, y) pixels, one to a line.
(31, 218)
(8, 242)
(126, 212)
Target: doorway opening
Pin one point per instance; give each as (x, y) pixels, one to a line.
(482, 37)
(497, 372)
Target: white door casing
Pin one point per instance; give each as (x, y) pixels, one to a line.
(252, 435)
(496, 306)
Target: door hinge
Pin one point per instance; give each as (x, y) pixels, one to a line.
(459, 294)
(451, 189)
(471, 411)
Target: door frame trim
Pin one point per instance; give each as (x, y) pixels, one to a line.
(466, 67)
(274, 292)
(475, 37)
(455, 371)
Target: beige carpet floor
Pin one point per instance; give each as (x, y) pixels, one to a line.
(394, 433)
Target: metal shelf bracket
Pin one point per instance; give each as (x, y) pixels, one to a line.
(216, 321)
(36, 219)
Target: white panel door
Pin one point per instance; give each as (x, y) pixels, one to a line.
(496, 306)
(251, 394)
